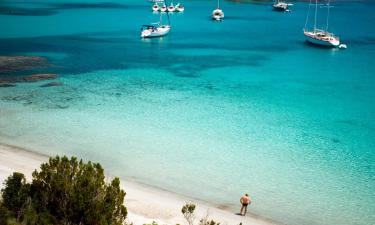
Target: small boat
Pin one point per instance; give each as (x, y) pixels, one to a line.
(163, 8)
(179, 7)
(281, 6)
(320, 36)
(155, 29)
(343, 46)
(155, 7)
(171, 8)
(218, 14)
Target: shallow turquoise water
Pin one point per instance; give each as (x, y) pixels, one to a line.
(210, 111)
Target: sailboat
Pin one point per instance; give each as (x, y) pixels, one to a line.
(180, 7)
(280, 6)
(163, 8)
(218, 14)
(171, 7)
(155, 29)
(320, 36)
(155, 7)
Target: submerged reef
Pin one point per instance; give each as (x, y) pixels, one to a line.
(7, 85)
(28, 78)
(15, 69)
(51, 84)
(9, 64)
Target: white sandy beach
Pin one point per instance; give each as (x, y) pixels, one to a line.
(144, 204)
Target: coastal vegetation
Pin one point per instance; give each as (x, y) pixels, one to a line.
(67, 191)
(63, 191)
(188, 211)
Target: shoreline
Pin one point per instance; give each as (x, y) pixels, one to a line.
(144, 203)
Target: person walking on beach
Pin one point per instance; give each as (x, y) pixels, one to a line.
(245, 201)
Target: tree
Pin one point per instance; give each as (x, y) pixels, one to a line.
(15, 193)
(5, 215)
(66, 191)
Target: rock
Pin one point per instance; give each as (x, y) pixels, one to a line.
(51, 84)
(7, 85)
(38, 77)
(29, 78)
(10, 64)
(62, 106)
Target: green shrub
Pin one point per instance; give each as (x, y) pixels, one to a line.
(188, 212)
(208, 222)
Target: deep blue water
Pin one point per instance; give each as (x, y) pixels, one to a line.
(212, 110)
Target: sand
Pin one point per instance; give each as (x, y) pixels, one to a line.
(145, 204)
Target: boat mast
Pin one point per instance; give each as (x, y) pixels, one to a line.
(161, 20)
(308, 15)
(218, 4)
(328, 6)
(316, 12)
(169, 22)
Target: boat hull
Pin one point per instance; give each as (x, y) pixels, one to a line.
(171, 8)
(155, 8)
(179, 8)
(218, 14)
(159, 32)
(280, 7)
(328, 41)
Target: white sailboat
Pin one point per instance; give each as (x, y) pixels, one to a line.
(320, 36)
(218, 14)
(180, 7)
(155, 7)
(281, 6)
(163, 8)
(155, 29)
(171, 8)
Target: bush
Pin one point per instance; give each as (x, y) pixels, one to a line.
(188, 212)
(208, 222)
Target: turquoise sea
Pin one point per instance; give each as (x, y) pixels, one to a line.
(212, 110)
